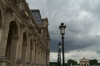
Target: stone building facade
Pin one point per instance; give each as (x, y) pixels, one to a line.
(84, 62)
(23, 40)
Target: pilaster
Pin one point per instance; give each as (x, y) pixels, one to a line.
(28, 47)
(4, 36)
(19, 62)
(19, 51)
(1, 28)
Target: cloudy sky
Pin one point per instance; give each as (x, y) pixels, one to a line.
(82, 18)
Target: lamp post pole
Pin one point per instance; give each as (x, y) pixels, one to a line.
(58, 61)
(60, 57)
(62, 31)
(63, 49)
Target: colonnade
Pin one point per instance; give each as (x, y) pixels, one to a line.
(20, 42)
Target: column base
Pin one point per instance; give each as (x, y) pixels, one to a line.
(27, 63)
(19, 62)
(3, 61)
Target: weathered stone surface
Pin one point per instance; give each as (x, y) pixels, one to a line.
(84, 62)
(22, 41)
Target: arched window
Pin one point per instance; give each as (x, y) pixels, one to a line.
(12, 39)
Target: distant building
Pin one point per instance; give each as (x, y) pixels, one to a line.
(84, 62)
(37, 16)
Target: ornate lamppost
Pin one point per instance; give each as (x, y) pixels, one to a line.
(62, 31)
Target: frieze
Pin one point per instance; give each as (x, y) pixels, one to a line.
(29, 34)
(22, 7)
(16, 1)
(30, 27)
(27, 62)
(28, 19)
(3, 7)
(9, 10)
(22, 26)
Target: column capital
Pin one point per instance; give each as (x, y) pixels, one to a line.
(33, 63)
(27, 62)
(22, 26)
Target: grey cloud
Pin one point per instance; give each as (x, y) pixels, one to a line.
(82, 30)
(74, 55)
(74, 27)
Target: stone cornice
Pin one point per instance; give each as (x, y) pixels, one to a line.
(29, 12)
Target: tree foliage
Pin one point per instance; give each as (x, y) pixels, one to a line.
(70, 61)
(53, 63)
(93, 62)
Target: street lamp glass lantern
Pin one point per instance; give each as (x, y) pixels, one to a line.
(60, 45)
(62, 28)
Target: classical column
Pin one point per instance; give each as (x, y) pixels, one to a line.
(2, 57)
(3, 40)
(1, 28)
(23, 57)
(40, 55)
(4, 35)
(19, 52)
(33, 53)
(36, 54)
(28, 50)
(43, 57)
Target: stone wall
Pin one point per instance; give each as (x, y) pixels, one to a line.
(21, 44)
